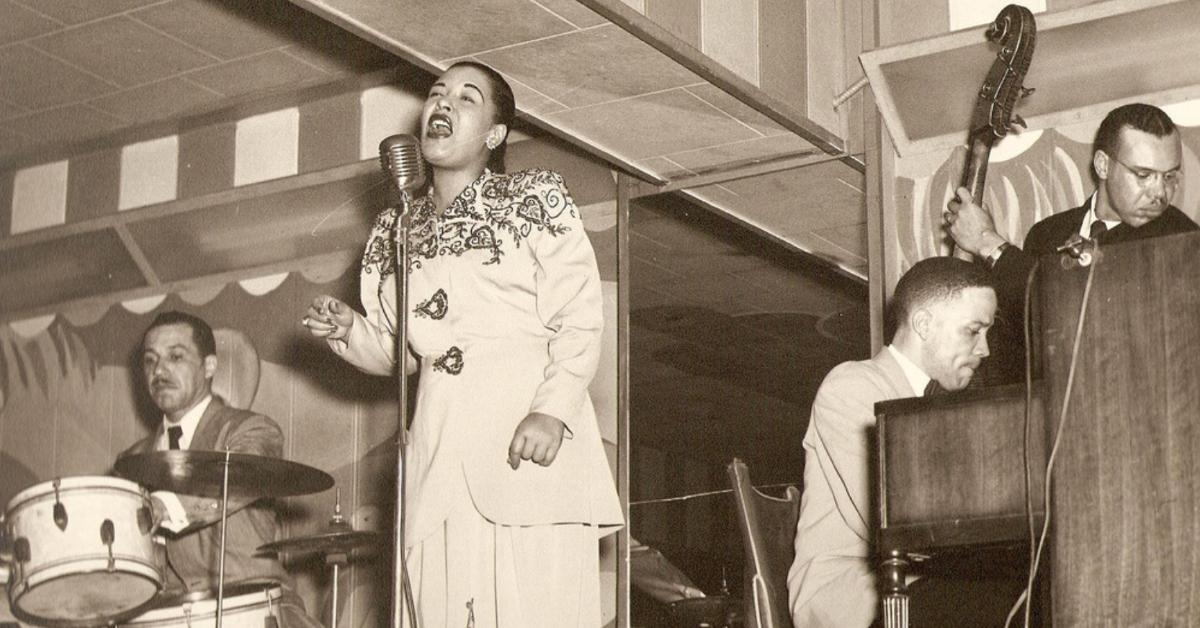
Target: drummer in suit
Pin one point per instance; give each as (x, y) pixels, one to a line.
(178, 360)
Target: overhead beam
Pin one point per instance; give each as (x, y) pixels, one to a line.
(645, 29)
(739, 171)
(224, 197)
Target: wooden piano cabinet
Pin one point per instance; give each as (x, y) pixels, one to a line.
(951, 469)
(1126, 486)
(951, 478)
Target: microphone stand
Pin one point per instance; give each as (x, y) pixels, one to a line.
(401, 589)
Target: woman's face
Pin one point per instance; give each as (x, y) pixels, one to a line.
(456, 120)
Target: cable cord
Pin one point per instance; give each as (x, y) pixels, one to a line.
(1035, 549)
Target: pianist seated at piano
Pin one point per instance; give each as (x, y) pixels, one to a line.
(941, 313)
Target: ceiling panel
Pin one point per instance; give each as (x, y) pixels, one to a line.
(333, 50)
(224, 28)
(271, 70)
(67, 268)
(33, 79)
(590, 67)
(736, 108)
(123, 51)
(656, 124)
(573, 12)
(8, 110)
(18, 22)
(12, 142)
(157, 101)
(65, 123)
(756, 149)
(463, 27)
(80, 11)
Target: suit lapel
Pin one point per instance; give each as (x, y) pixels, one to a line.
(209, 427)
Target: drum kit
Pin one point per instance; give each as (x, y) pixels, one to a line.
(82, 551)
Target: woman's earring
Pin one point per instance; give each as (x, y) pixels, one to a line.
(490, 143)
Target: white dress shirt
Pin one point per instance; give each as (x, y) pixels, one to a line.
(913, 373)
(1085, 228)
(176, 515)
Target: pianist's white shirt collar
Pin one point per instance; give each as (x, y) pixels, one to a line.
(913, 373)
(189, 422)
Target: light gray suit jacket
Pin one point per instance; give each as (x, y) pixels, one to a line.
(832, 580)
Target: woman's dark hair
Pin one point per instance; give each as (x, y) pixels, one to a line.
(506, 108)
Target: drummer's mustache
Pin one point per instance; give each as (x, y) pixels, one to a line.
(160, 382)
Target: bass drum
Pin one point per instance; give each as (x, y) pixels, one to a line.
(246, 606)
(82, 551)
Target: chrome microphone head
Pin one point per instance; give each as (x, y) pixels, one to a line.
(400, 157)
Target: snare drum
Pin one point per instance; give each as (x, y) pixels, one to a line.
(246, 606)
(82, 551)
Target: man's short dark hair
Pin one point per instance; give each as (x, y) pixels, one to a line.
(1138, 116)
(930, 280)
(202, 334)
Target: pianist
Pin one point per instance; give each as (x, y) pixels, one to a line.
(942, 310)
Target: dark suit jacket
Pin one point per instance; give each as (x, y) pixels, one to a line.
(193, 553)
(1007, 341)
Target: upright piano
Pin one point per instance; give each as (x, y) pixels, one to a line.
(1124, 542)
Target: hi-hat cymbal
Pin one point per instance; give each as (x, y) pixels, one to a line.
(192, 472)
(328, 541)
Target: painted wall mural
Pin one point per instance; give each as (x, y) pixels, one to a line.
(1031, 175)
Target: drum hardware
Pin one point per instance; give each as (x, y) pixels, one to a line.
(337, 542)
(107, 535)
(60, 511)
(218, 474)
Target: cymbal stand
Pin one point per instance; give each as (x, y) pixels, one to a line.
(336, 560)
(224, 520)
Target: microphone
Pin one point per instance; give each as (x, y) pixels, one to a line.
(400, 157)
(1078, 251)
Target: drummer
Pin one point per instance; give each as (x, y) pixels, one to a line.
(178, 360)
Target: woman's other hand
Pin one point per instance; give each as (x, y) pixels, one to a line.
(537, 438)
(328, 317)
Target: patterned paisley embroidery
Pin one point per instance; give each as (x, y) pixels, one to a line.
(380, 255)
(450, 362)
(496, 211)
(434, 307)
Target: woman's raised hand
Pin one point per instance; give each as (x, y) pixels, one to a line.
(328, 317)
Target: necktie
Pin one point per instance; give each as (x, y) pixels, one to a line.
(1097, 229)
(174, 433)
(933, 388)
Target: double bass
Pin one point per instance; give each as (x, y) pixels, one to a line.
(911, 526)
(992, 118)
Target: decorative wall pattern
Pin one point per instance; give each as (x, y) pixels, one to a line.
(1030, 176)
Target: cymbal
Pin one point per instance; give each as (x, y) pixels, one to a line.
(329, 541)
(716, 610)
(195, 472)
